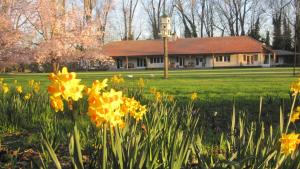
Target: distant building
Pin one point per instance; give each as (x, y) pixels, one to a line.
(239, 51)
(284, 57)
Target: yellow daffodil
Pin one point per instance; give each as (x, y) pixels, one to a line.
(31, 83)
(295, 87)
(5, 88)
(141, 83)
(194, 96)
(97, 87)
(171, 98)
(295, 115)
(109, 108)
(66, 85)
(134, 108)
(158, 96)
(105, 108)
(117, 80)
(1, 80)
(72, 90)
(36, 87)
(19, 89)
(289, 143)
(27, 96)
(56, 103)
(152, 90)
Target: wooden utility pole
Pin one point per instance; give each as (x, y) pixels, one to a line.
(165, 28)
(166, 58)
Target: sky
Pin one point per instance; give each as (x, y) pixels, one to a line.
(142, 26)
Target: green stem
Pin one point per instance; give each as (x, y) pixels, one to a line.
(278, 163)
(104, 157)
(291, 113)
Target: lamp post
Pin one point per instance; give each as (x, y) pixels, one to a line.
(165, 31)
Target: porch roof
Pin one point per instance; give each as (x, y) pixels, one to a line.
(191, 46)
(284, 53)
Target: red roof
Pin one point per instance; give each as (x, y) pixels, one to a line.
(216, 45)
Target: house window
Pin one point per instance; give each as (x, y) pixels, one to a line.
(245, 58)
(141, 62)
(219, 58)
(199, 60)
(226, 58)
(156, 60)
(255, 58)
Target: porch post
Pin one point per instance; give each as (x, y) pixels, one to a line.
(274, 58)
(213, 55)
(126, 62)
(269, 59)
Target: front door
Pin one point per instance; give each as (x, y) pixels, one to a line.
(248, 60)
(200, 61)
(119, 63)
(180, 61)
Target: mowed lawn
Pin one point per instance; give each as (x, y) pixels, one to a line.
(215, 83)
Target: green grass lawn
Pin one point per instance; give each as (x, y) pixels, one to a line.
(217, 83)
(216, 89)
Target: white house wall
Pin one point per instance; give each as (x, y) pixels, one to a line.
(190, 61)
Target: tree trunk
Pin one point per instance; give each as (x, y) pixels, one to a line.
(202, 17)
(297, 30)
(88, 7)
(55, 66)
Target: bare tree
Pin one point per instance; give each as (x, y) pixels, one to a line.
(187, 10)
(236, 13)
(128, 11)
(103, 9)
(226, 12)
(297, 25)
(153, 9)
(88, 9)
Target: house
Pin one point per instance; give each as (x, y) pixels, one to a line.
(284, 57)
(238, 51)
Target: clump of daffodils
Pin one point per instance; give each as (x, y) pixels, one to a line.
(141, 83)
(117, 80)
(4, 88)
(64, 86)
(27, 96)
(134, 108)
(194, 96)
(19, 89)
(34, 85)
(290, 142)
(110, 107)
(104, 107)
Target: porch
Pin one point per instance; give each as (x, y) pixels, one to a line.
(192, 61)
